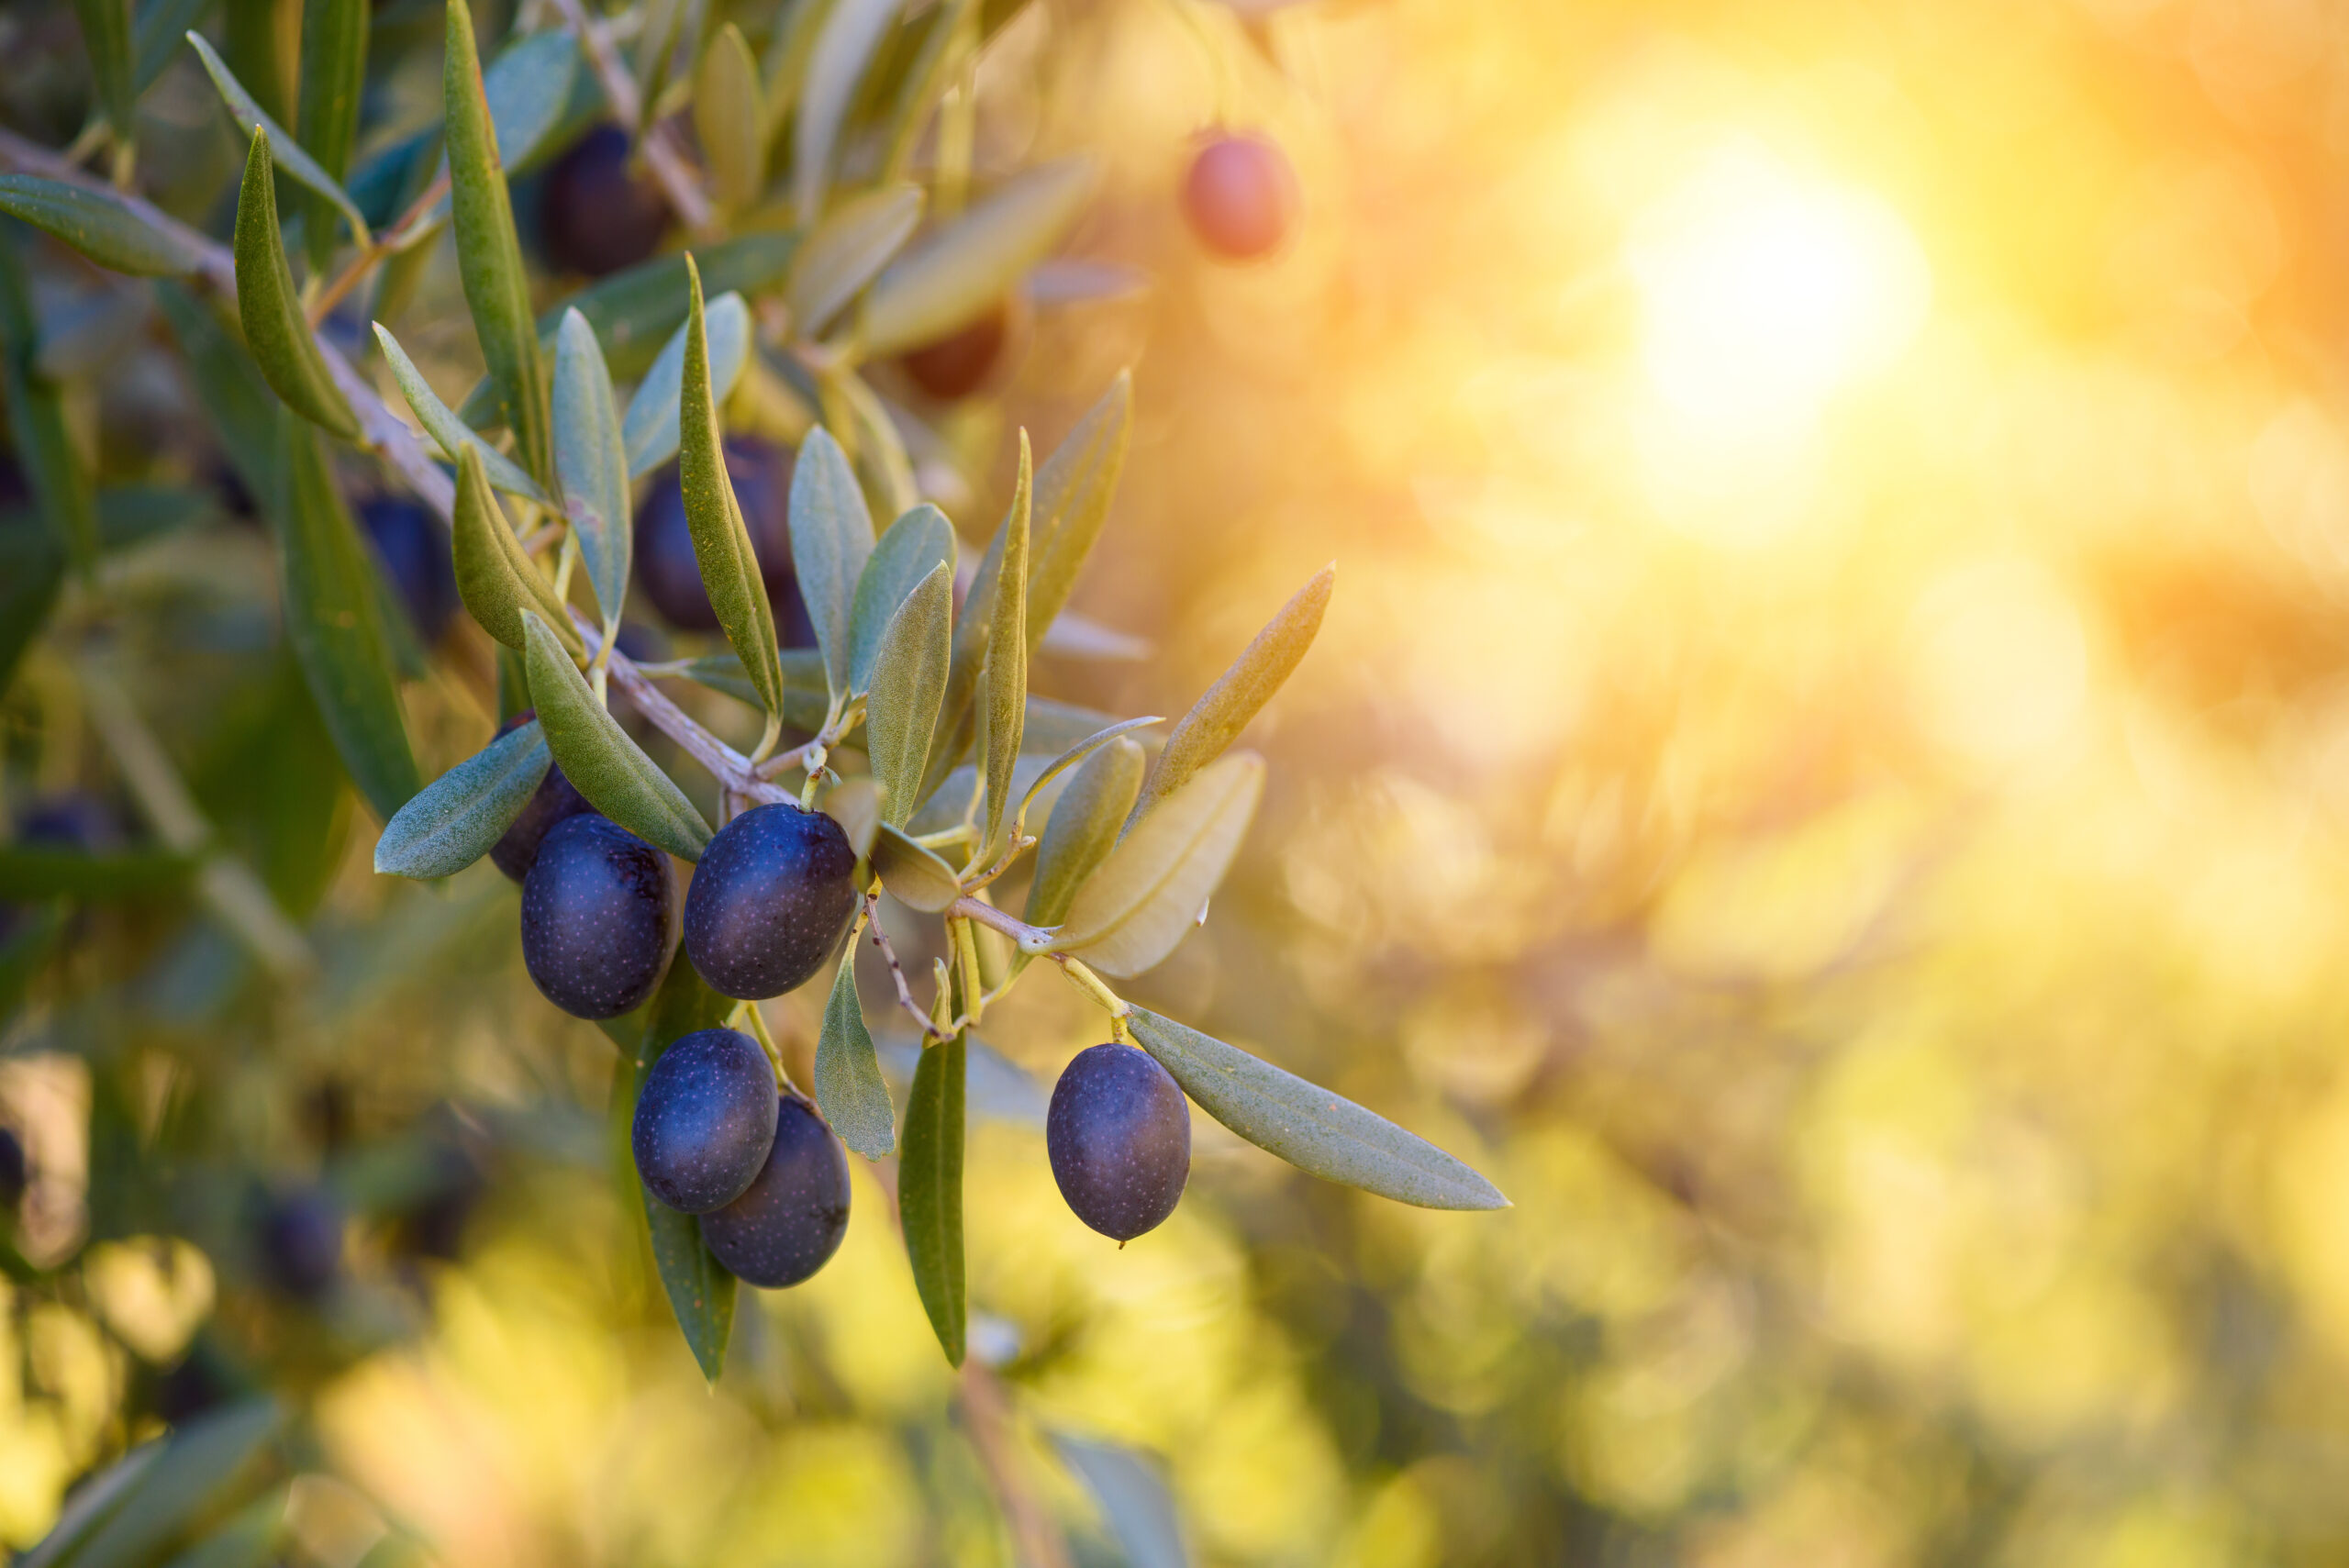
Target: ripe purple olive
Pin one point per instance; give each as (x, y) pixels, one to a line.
(704, 1122)
(555, 800)
(414, 548)
(596, 214)
(1120, 1137)
(770, 901)
(1239, 196)
(958, 364)
(596, 910)
(301, 1244)
(665, 564)
(789, 1222)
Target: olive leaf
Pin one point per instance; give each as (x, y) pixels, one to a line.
(908, 550)
(851, 32)
(1133, 1499)
(454, 820)
(192, 1467)
(700, 1290)
(729, 566)
(846, 251)
(856, 807)
(1073, 494)
(946, 42)
(848, 1089)
(1003, 703)
(99, 226)
(106, 38)
(495, 577)
(30, 872)
(90, 1504)
(930, 1191)
(1077, 754)
(1307, 1126)
(596, 755)
(1152, 888)
(36, 410)
(246, 1539)
(649, 429)
(591, 465)
(528, 89)
(235, 400)
(913, 875)
(275, 331)
(656, 47)
(805, 698)
(32, 574)
(831, 535)
(299, 166)
(729, 118)
(909, 679)
(636, 310)
(331, 598)
(326, 119)
(449, 432)
(1083, 828)
(489, 257)
(969, 264)
(1226, 707)
(155, 35)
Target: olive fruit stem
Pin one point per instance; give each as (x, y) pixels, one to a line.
(922, 1019)
(966, 955)
(1093, 985)
(765, 1036)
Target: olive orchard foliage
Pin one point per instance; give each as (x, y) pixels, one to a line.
(911, 726)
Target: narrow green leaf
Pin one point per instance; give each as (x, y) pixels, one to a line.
(156, 34)
(700, 1290)
(1238, 694)
(32, 571)
(847, 251)
(495, 577)
(44, 449)
(236, 402)
(729, 119)
(855, 805)
(97, 225)
(454, 820)
(1307, 1126)
(930, 1191)
(596, 755)
(729, 567)
(848, 1089)
(635, 311)
(1005, 701)
(334, 621)
(1133, 1499)
(908, 550)
(528, 89)
(198, 1463)
(591, 464)
(1073, 494)
(275, 331)
(851, 31)
(260, 50)
(1154, 886)
(326, 119)
(909, 679)
(29, 872)
(911, 873)
(831, 535)
(105, 36)
(947, 41)
(450, 433)
(245, 1539)
(805, 698)
(298, 165)
(969, 264)
(1077, 754)
(489, 258)
(649, 426)
(1083, 828)
(91, 1503)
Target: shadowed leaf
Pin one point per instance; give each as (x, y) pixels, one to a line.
(1005, 696)
(831, 536)
(454, 820)
(489, 258)
(201, 1461)
(495, 577)
(930, 1191)
(34, 871)
(911, 873)
(44, 449)
(297, 165)
(591, 465)
(596, 755)
(325, 118)
(848, 1089)
(909, 677)
(97, 225)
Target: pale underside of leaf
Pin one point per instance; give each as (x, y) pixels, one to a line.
(1083, 828)
(910, 550)
(913, 875)
(590, 463)
(847, 250)
(649, 426)
(455, 820)
(849, 1087)
(450, 434)
(909, 681)
(1151, 891)
(968, 265)
(831, 536)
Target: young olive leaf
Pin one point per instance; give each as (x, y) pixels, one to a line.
(299, 166)
(649, 429)
(99, 226)
(1073, 495)
(329, 595)
(326, 119)
(967, 265)
(105, 39)
(590, 464)
(848, 1089)
(805, 698)
(908, 550)
(1076, 754)
(194, 1467)
(596, 755)
(454, 820)
(1317, 1131)
(846, 251)
(851, 32)
(1224, 710)
(1149, 893)
(1083, 828)
(831, 535)
(275, 331)
(930, 1191)
(728, 118)
(36, 410)
(489, 257)
(729, 567)
(1004, 705)
(495, 577)
(913, 875)
(700, 1292)
(909, 678)
(449, 432)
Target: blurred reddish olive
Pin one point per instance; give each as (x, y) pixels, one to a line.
(1239, 196)
(959, 363)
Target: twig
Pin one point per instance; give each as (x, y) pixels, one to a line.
(922, 1020)
(1030, 938)
(668, 167)
(390, 241)
(1039, 1541)
(730, 767)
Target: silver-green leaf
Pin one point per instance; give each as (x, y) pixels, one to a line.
(1083, 828)
(844, 45)
(848, 1089)
(450, 433)
(930, 1191)
(99, 226)
(968, 265)
(913, 875)
(1155, 884)
(1004, 697)
(275, 330)
(910, 550)
(299, 166)
(847, 250)
(909, 680)
(729, 118)
(831, 535)
(649, 426)
(596, 755)
(1074, 490)
(591, 465)
(454, 820)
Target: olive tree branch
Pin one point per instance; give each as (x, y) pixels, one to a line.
(987, 1418)
(668, 167)
(922, 1020)
(396, 238)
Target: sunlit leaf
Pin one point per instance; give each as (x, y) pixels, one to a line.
(275, 331)
(1078, 753)
(930, 1191)
(489, 257)
(1004, 699)
(1073, 494)
(450, 433)
(1307, 1126)
(967, 266)
(495, 577)
(909, 678)
(729, 118)
(843, 47)
(596, 755)
(847, 250)
(97, 225)
(297, 164)
(1083, 828)
(908, 551)
(649, 426)
(831, 535)
(454, 820)
(1238, 694)
(700, 1290)
(235, 401)
(848, 1089)
(912, 873)
(325, 118)
(1149, 893)
(591, 465)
